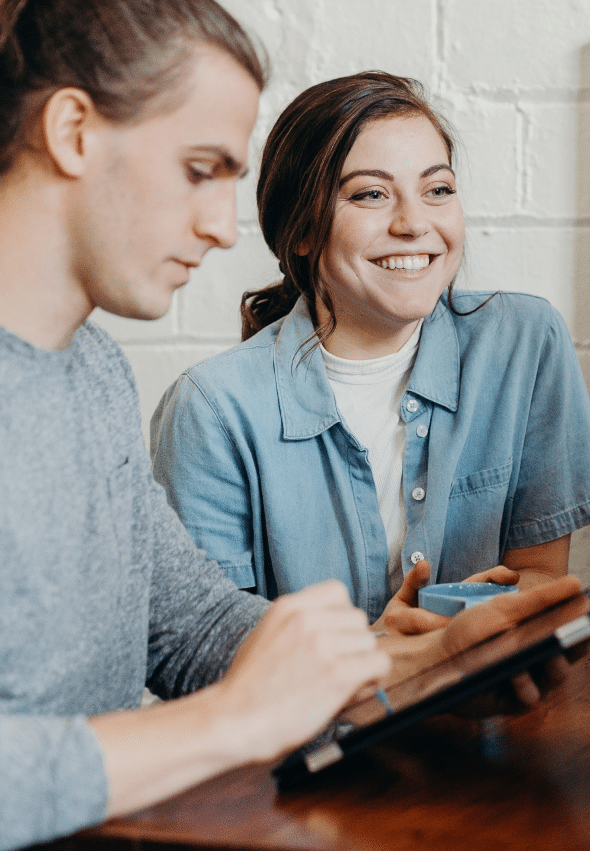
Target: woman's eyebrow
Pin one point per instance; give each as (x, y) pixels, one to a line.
(385, 175)
(434, 168)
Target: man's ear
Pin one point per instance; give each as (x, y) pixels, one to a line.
(67, 117)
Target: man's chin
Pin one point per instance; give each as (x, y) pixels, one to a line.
(146, 312)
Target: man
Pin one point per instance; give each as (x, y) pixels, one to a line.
(123, 129)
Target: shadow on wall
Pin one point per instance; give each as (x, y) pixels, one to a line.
(580, 551)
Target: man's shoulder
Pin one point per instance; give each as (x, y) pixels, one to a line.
(92, 336)
(98, 350)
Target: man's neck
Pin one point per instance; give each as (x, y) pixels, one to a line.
(39, 301)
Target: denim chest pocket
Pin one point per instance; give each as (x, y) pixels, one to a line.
(494, 478)
(474, 535)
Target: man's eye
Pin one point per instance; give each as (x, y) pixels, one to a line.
(197, 174)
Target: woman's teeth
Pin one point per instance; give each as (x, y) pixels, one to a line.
(416, 261)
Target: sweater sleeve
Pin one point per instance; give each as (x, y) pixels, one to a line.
(41, 762)
(198, 616)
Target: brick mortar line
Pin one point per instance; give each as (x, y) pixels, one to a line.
(175, 342)
(524, 95)
(527, 222)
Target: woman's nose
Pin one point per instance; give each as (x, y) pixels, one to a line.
(409, 219)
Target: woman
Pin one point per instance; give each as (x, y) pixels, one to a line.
(372, 418)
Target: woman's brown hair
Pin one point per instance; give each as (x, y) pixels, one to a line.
(123, 53)
(299, 180)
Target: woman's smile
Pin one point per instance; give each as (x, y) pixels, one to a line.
(408, 262)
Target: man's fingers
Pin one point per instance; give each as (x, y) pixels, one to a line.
(525, 689)
(331, 592)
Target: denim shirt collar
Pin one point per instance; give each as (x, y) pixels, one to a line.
(437, 370)
(306, 400)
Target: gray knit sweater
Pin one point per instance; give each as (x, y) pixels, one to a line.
(101, 589)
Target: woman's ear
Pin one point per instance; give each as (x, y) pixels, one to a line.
(302, 250)
(67, 118)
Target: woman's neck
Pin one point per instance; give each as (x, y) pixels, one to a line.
(353, 341)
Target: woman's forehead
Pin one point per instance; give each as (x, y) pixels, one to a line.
(398, 139)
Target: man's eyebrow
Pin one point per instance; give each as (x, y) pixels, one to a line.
(385, 175)
(228, 162)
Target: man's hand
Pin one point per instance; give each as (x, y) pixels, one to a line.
(402, 616)
(310, 653)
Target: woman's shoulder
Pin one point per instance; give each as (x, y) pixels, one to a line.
(253, 353)
(239, 376)
(464, 301)
(474, 309)
(496, 322)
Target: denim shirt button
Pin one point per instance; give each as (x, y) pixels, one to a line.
(416, 557)
(412, 405)
(418, 494)
(422, 431)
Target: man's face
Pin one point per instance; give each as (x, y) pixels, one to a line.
(161, 193)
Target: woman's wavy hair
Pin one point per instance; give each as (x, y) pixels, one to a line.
(128, 55)
(299, 182)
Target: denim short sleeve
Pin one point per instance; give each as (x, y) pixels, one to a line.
(204, 477)
(552, 496)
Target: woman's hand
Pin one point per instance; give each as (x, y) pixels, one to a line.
(402, 616)
(500, 614)
(412, 654)
(499, 574)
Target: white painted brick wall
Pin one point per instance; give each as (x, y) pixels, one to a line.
(512, 75)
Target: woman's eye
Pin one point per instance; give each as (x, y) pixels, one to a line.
(441, 191)
(370, 195)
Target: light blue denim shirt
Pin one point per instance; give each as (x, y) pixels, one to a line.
(266, 476)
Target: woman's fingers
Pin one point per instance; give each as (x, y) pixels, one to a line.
(505, 611)
(417, 578)
(500, 574)
(402, 615)
(414, 621)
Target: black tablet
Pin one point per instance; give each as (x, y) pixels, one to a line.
(440, 688)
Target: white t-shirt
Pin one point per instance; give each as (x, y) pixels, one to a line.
(368, 394)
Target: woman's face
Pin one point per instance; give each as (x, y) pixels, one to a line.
(396, 239)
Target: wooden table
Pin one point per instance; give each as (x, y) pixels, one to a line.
(521, 784)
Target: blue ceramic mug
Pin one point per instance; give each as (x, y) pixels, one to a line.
(452, 597)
